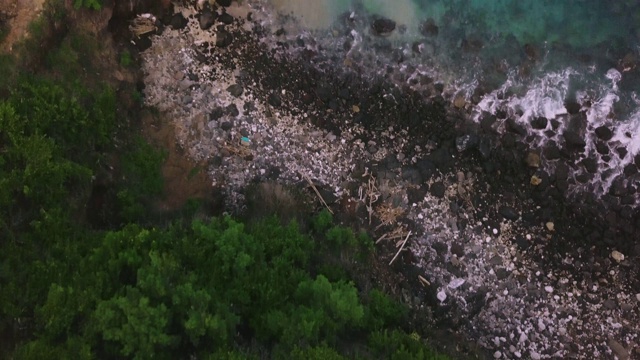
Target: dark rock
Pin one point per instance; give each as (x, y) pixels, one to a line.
(509, 213)
(226, 125)
(416, 195)
(457, 249)
(225, 18)
(274, 100)
(602, 148)
(539, 123)
(622, 152)
(552, 152)
(630, 169)
(466, 142)
(604, 133)
(411, 175)
(590, 164)
(429, 28)
(216, 113)
(142, 43)
(232, 110)
(178, 21)
(235, 90)
(426, 168)
(572, 106)
(618, 187)
(207, 18)
(486, 123)
(522, 242)
(225, 3)
(383, 26)
(437, 189)
(223, 38)
(573, 139)
(441, 158)
(610, 304)
(495, 260)
(514, 127)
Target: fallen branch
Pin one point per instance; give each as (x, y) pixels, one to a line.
(317, 192)
(401, 247)
(423, 281)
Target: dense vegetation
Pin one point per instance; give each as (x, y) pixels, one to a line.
(121, 284)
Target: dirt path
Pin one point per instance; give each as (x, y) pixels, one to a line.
(19, 14)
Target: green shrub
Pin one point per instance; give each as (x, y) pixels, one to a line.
(89, 4)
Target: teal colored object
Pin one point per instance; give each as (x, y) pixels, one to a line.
(245, 141)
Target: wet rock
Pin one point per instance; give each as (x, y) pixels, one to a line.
(590, 164)
(514, 127)
(539, 123)
(622, 152)
(509, 213)
(437, 189)
(630, 169)
(225, 18)
(572, 106)
(207, 19)
(416, 195)
(604, 133)
(235, 90)
(383, 26)
(178, 21)
(457, 249)
(602, 148)
(226, 125)
(573, 139)
(426, 168)
(552, 152)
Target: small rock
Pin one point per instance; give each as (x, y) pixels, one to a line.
(226, 19)
(207, 18)
(548, 289)
(509, 213)
(383, 26)
(437, 189)
(226, 125)
(617, 256)
(466, 142)
(274, 100)
(459, 101)
(497, 355)
(573, 139)
(533, 160)
(178, 21)
(456, 283)
(535, 181)
(441, 295)
(235, 90)
(609, 304)
(355, 108)
(619, 350)
(550, 226)
(604, 133)
(223, 38)
(535, 356)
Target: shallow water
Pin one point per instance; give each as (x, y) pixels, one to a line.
(525, 58)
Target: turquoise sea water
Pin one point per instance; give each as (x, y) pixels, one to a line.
(526, 58)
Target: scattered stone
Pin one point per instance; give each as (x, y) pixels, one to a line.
(535, 180)
(225, 3)
(178, 21)
(437, 189)
(550, 226)
(609, 304)
(497, 355)
(441, 295)
(617, 256)
(355, 108)
(226, 19)
(573, 139)
(466, 142)
(535, 356)
(207, 19)
(618, 349)
(235, 90)
(509, 213)
(459, 101)
(604, 133)
(383, 26)
(429, 28)
(539, 123)
(274, 100)
(456, 283)
(533, 160)
(226, 125)
(548, 289)
(223, 38)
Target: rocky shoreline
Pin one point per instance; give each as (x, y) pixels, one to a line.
(495, 249)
